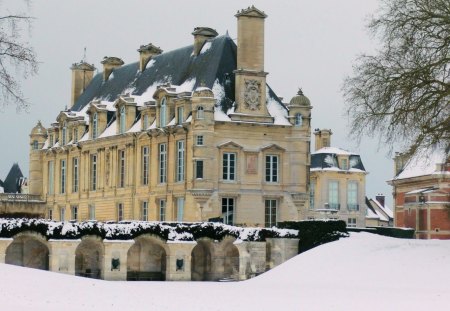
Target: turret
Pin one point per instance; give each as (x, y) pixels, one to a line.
(38, 136)
(300, 111)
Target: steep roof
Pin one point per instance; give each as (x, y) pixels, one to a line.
(423, 164)
(326, 158)
(11, 183)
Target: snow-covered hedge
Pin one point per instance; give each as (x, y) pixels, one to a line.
(130, 230)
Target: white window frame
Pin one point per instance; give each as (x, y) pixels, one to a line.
(180, 115)
(162, 157)
(333, 194)
(122, 169)
(94, 167)
(179, 176)
(163, 113)
(270, 212)
(51, 177)
(63, 169)
(162, 209)
(75, 174)
(200, 113)
(145, 164)
(228, 210)
(75, 135)
(352, 196)
(272, 172)
(351, 222)
(229, 163)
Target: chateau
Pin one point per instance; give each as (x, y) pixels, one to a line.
(191, 134)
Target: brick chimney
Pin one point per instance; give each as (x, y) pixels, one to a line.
(380, 198)
(201, 34)
(82, 74)
(146, 52)
(323, 138)
(109, 64)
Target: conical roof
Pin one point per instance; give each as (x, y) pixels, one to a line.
(300, 99)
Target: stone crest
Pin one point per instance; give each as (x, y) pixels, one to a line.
(252, 94)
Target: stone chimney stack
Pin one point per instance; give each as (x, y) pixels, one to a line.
(109, 64)
(323, 138)
(146, 52)
(82, 74)
(201, 34)
(380, 198)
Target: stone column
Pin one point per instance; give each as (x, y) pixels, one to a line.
(62, 255)
(115, 259)
(4, 243)
(179, 252)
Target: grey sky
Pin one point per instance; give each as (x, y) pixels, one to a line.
(311, 44)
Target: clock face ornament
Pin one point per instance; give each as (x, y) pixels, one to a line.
(252, 94)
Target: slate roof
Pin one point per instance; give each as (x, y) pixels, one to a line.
(323, 159)
(176, 67)
(11, 183)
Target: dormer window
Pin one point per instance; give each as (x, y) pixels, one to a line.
(200, 112)
(163, 113)
(344, 164)
(50, 140)
(122, 120)
(64, 134)
(95, 126)
(180, 115)
(298, 121)
(75, 135)
(145, 122)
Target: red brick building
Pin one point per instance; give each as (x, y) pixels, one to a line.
(421, 189)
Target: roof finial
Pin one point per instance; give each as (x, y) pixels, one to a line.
(300, 91)
(84, 55)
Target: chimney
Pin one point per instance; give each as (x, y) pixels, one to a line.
(82, 74)
(201, 34)
(323, 138)
(380, 198)
(109, 64)
(146, 52)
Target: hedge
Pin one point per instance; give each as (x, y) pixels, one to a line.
(402, 233)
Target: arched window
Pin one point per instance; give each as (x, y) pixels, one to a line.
(122, 120)
(64, 133)
(163, 113)
(298, 119)
(95, 125)
(200, 112)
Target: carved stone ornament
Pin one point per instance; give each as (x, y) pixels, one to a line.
(252, 94)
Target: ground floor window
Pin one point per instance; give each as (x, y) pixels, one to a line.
(228, 211)
(351, 223)
(271, 209)
(180, 209)
(162, 210)
(74, 212)
(144, 212)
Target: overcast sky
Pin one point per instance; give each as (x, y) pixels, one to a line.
(308, 44)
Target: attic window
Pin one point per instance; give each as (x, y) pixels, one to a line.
(344, 164)
(163, 113)
(200, 112)
(145, 122)
(122, 120)
(95, 125)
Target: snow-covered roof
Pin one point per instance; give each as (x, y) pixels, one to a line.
(384, 208)
(333, 150)
(423, 164)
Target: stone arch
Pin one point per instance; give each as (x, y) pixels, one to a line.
(146, 259)
(230, 254)
(89, 257)
(201, 260)
(28, 249)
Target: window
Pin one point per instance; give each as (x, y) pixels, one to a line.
(120, 212)
(75, 135)
(298, 121)
(121, 183)
(199, 169)
(352, 196)
(228, 211)
(75, 176)
(74, 211)
(180, 209)
(95, 125)
(35, 145)
(180, 115)
(64, 134)
(51, 176)
(162, 163)
(63, 176)
(229, 166)
(162, 210)
(144, 212)
(312, 193)
(50, 140)
(344, 164)
(271, 168)
(145, 164)
(180, 161)
(200, 112)
(199, 140)
(122, 120)
(62, 213)
(351, 223)
(145, 122)
(333, 194)
(94, 172)
(50, 214)
(271, 207)
(163, 113)
(91, 208)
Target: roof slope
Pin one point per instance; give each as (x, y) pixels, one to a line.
(327, 159)
(423, 164)
(11, 183)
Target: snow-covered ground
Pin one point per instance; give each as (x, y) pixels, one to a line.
(363, 272)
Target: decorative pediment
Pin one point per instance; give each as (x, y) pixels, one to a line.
(273, 147)
(230, 144)
(124, 99)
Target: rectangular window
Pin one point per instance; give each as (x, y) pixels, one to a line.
(63, 176)
(271, 168)
(162, 163)
(145, 164)
(121, 169)
(75, 177)
(229, 166)
(94, 172)
(333, 195)
(312, 193)
(180, 161)
(180, 209)
(51, 177)
(162, 210)
(352, 196)
(199, 140)
(62, 213)
(144, 212)
(228, 211)
(180, 115)
(75, 135)
(74, 211)
(271, 207)
(50, 140)
(351, 223)
(120, 212)
(91, 208)
(199, 169)
(344, 163)
(50, 214)
(145, 122)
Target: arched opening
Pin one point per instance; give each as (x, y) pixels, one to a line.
(88, 258)
(28, 251)
(231, 261)
(146, 260)
(200, 112)
(201, 261)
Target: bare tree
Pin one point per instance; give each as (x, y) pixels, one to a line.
(17, 58)
(402, 94)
